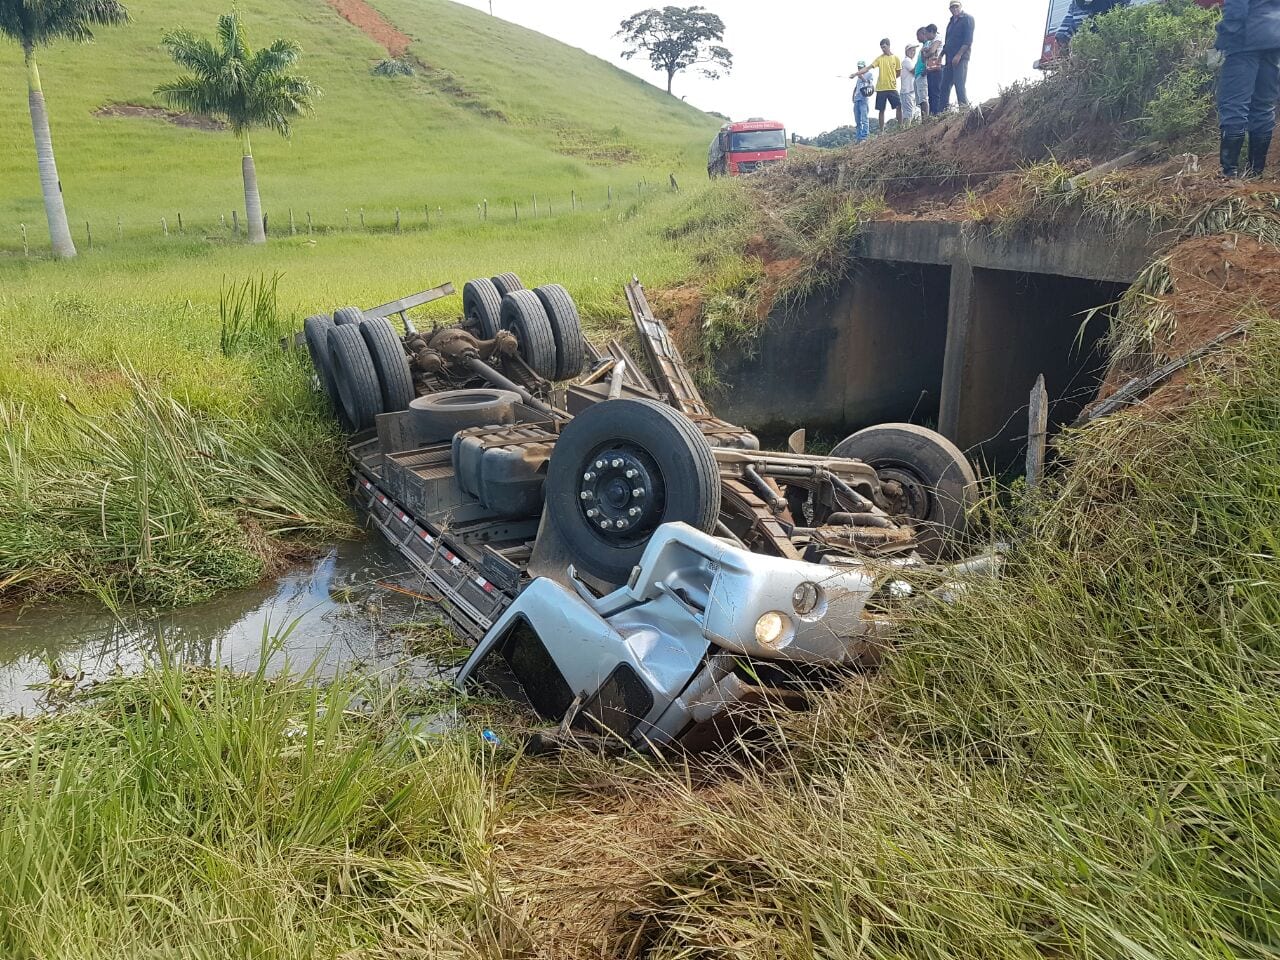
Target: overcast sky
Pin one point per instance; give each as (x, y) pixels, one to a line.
(790, 55)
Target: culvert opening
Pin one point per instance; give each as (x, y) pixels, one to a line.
(1023, 325)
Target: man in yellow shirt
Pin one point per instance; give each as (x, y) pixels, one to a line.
(888, 66)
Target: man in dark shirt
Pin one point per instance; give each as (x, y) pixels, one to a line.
(955, 72)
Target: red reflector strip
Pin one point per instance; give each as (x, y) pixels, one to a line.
(426, 536)
(452, 559)
(367, 484)
(485, 584)
(382, 500)
(403, 517)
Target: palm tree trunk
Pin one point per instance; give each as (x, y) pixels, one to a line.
(252, 202)
(50, 185)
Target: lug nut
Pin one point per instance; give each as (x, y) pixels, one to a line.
(616, 464)
(604, 524)
(620, 524)
(591, 511)
(630, 474)
(599, 464)
(637, 492)
(585, 495)
(633, 512)
(588, 476)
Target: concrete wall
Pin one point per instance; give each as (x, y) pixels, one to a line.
(940, 324)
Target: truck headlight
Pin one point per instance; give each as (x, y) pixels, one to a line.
(771, 628)
(804, 599)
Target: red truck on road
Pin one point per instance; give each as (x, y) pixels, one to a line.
(745, 147)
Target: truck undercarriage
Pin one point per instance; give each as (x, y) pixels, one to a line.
(637, 567)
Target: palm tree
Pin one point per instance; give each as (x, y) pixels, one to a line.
(243, 87)
(37, 23)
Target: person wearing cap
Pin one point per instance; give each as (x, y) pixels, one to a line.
(907, 84)
(1249, 37)
(888, 67)
(955, 72)
(863, 90)
(931, 53)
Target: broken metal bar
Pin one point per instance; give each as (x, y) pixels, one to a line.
(669, 370)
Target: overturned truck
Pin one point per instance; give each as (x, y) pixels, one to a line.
(635, 567)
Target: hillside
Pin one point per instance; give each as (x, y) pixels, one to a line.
(495, 112)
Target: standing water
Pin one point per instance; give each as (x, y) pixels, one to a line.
(340, 612)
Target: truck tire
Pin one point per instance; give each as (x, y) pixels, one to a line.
(389, 362)
(936, 482)
(673, 478)
(523, 315)
(481, 308)
(444, 414)
(315, 330)
(345, 315)
(507, 283)
(355, 377)
(566, 328)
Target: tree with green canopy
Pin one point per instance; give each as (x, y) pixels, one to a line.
(242, 87)
(37, 23)
(677, 38)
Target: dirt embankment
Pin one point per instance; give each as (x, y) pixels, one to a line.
(373, 25)
(187, 120)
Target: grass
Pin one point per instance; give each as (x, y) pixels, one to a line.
(160, 446)
(1072, 761)
(500, 113)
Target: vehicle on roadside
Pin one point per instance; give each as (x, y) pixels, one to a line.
(636, 568)
(1065, 18)
(745, 147)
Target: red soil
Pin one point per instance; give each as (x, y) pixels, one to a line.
(374, 25)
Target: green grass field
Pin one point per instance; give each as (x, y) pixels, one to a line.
(505, 114)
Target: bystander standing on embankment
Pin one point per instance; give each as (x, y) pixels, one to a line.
(1249, 37)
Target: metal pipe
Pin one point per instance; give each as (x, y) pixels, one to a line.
(817, 473)
(482, 369)
(766, 492)
(615, 379)
(723, 530)
(860, 520)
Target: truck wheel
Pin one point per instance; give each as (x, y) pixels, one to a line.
(481, 308)
(345, 315)
(523, 315)
(566, 328)
(315, 329)
(389, 362)
(924, 476)
(507, 283)
(355, 377)
(620, 469)
(446, 413)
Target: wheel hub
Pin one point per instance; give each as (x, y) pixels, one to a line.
(907, 496)
(620, 493)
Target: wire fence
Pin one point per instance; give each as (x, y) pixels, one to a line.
(414, 217)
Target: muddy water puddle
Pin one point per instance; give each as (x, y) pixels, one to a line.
(344, 610)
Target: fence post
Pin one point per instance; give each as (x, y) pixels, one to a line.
(26, 250)
(549, 208)
(1037, 429)
(119, 228)
(611, 195)
(362, 226)
(88, 232)
(235, 223)
(674, 186)
(517, 206)
(535, 206)
(308, 223)
(181, 228)
(573, 201)
(397, 219)
(222, 221)
(346, 216)
(486, 210)
(426, 215)
(164, 226)
(293, 230)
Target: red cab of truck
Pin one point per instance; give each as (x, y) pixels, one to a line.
(746, 147)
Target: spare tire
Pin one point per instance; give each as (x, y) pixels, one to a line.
(481, 308)
(925, 476)
(315, 330)
(355, 377)
(346, 315)
(444, 414)
(566, 329)
(620, 469)
(387, 353)
(523, 315)
(507, 283)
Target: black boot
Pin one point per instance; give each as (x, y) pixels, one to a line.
(1229, 153)
(1258, 147)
